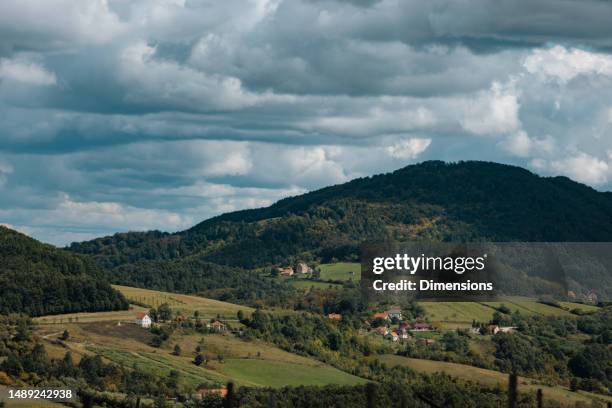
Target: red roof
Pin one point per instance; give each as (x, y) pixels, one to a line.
(140, 315)
(382, 315)
(421, 326)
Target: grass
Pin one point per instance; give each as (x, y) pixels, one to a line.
(341, 271)
(278, 374)
(489, 378)
(121, 315)
(187, 304)
(452, 315)
(579, 306)
(161, 364)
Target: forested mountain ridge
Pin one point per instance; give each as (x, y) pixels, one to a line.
(38, 279)
(432, 200)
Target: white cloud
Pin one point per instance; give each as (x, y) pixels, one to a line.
(24, 71)
(583, 168)
(522, 145)
(564, 64)
(408, 149)
(493, 112)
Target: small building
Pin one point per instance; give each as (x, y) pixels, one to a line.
(420, 327)
(287, 271)
(204, 392)
(334, 316)
(143, 320)
(403, 334)
(507, 329)
(382, 315)
(591, 297)
(217, 326)
(302, 268)
(393, 336)
(395, 313)
(493, 328)
(475, 330)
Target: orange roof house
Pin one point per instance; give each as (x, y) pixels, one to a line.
(334, 316)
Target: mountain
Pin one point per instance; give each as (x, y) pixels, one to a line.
(432, 200)
(428, 201)
(38, 279)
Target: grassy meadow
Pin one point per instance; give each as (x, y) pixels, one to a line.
(186, 304)
(341, 271)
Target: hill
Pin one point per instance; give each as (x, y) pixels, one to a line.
(432, 200)
(38, 279)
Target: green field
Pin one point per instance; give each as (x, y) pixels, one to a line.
(160, 365)
(187, 304)
(279, 374)
(450, 315)
(340, 271)
(489, 378)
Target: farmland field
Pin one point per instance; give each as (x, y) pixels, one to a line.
(208, 308)
(341, 271)
(279, 374)
(121, 315)
(451, 315)
(487, 377)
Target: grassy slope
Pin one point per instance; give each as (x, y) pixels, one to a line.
(253, 363)
(487, 377)
(187, 304)
(340, 271)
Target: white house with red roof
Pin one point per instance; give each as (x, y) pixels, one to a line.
(143, 320)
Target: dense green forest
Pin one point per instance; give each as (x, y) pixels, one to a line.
(429, 201)
(38, 279)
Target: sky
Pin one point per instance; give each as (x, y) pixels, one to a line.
(120, 115)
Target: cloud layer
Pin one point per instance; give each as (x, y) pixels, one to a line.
(129, 115)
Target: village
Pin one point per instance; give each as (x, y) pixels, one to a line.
(390, 325)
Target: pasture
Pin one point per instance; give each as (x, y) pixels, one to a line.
(340, 271)
(186, 304)
(452, 315)
(276, 374)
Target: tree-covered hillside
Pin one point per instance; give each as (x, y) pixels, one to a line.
(432, 200)
(38, 279)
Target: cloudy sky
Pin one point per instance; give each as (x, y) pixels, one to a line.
(121, 115)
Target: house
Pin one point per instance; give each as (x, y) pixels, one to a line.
(287, 271)
(591, 297)
(475, 330)
(493, 328)
(392, 336)
(217, 326)
(421, 327)
(334, 316)
(203, 392)
(571, 294)
(143, 320)
(508, 329)
(302, 268)
(395, 313)
(403, 334)
(382, 315)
